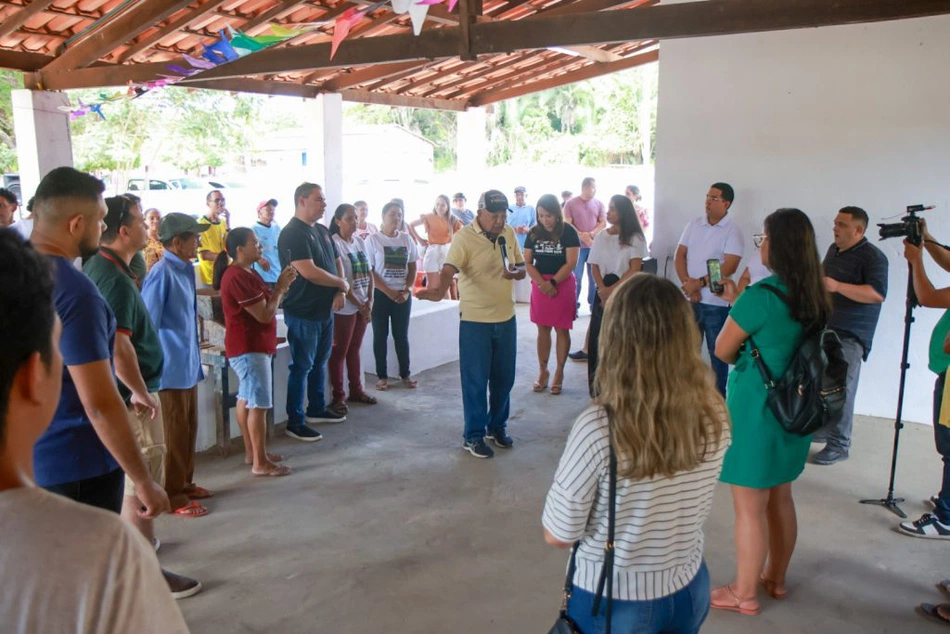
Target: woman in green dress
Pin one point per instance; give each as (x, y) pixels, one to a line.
(764, 459)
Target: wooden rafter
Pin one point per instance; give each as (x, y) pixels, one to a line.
(26, 62)
(260, 87)
(536, 70)
(588, 72)
(146, 42)
(366, 75)
(114, 33)
(387, 99)
(18, 19)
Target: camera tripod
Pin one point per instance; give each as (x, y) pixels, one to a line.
(890, 502)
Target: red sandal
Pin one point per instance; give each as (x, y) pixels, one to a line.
(725, 598)
(192, 509)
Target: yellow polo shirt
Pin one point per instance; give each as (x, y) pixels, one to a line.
(486, 297)
(211, 240)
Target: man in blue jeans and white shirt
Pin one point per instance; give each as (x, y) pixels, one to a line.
(315, 295)
(488, 335)
(713, 236)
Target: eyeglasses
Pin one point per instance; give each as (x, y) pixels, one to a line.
(715, 199)
(217, 200)
(758, 239)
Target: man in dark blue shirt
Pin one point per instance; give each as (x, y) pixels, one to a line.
(311, 301)
(856, 277)
(89, 443)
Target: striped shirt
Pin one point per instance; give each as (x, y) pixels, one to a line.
(658, 537)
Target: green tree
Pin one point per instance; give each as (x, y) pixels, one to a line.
(438, 126)
(9, 80)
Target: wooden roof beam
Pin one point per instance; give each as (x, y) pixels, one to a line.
(505, 68)
(18, 19)
(260, 87)
(588, 72)
(388, 99)
(147, 42)
(536, 70)
(26, 62)
(369, 74)
(115, 32)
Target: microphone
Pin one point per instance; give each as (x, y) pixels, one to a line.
(503, 245)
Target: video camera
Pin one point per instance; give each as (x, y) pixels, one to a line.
(909, 226)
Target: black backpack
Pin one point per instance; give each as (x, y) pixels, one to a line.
(814, 386)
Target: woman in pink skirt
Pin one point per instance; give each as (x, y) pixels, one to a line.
(550, 253)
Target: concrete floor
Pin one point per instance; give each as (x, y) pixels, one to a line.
(388, 526)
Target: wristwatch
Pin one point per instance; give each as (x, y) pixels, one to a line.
(553, 282)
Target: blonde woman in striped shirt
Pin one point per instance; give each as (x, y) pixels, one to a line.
(659, 407)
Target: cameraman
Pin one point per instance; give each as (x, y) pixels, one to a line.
(934, 525)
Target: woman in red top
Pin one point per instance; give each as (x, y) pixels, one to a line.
(250, 341)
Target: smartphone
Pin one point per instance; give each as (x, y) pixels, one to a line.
(290, 262)
(713, 268)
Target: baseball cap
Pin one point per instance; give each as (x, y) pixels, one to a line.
(520, 189)
(459, 196)
(493, 201)
(262, 204)
(175, 224)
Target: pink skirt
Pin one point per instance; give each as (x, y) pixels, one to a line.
(557, 311)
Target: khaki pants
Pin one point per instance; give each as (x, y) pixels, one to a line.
(149, 434)
(180, 414)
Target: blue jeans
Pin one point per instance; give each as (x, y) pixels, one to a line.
(942, 440)
(679, 613)
(711, 319)
(582, 255)
(310, 344)
(487, 360)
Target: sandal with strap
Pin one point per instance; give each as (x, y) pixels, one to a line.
(933, 612)
(276, 472)
(192, 509)
(409, 382)
(725, 598)
(382, 385)
(362, 397)
(541, 385)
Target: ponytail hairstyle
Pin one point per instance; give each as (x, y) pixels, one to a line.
(236, 238)
(629, 224)
(338, 215)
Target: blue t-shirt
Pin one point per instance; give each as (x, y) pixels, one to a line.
(268, 236)
(522, 217)
(70, 449)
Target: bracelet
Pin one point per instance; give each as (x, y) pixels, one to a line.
(553, 282)
(703, 281)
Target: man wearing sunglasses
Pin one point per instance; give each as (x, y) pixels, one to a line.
(212, 240)
(713, 236)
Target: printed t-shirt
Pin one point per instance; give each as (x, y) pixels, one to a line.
(211, 240)
(70, 567)
(367, 232)
(584, 214)
(355, 269)
(243, 333)
(437, 229)
(612, 257)
(390, 258)
(267, 236)
(486, 296)
(704, 241)
(70, 450)
(548, 256)
(305, 299)
(116, 283)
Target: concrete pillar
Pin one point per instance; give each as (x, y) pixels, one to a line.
(42, 136)
(324, 143)
(472, 144)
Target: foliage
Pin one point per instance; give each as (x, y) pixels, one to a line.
(9, 80)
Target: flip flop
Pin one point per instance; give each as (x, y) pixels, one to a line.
(199, 493)
(192, 509)
(362, 397)
(930, 611)
(278, 471)
(729, 601)
(772, 589)
(273, 457)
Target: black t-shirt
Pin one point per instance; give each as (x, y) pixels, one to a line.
(299, 241)
(548, 256)
(862, 264)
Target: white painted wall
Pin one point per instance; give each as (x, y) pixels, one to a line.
(42, 134)
(816, 119)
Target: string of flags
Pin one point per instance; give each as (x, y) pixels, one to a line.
(233, 44)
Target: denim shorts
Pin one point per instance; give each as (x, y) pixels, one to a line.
(254, 374)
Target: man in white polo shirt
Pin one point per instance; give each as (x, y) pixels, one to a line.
(713, 236)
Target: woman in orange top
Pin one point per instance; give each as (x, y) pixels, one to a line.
(440, 226)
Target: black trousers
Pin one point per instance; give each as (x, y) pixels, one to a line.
(385, 311)
(104, 492)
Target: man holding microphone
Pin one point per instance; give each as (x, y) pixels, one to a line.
(487, 259)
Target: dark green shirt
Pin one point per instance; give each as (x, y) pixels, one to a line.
(118, 286)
